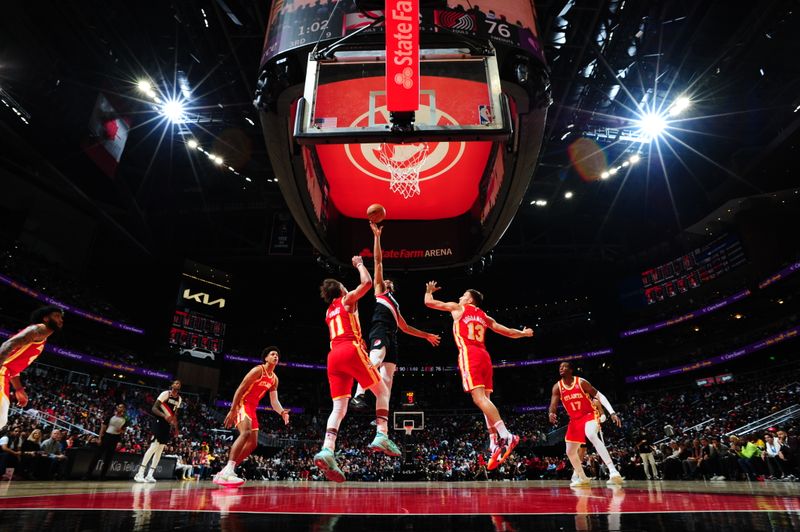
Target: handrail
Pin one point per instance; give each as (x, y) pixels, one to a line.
(785, 414)
(49, 419)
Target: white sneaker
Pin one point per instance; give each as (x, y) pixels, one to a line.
(574, 478)
(580, 483)
(615, 478)
(139, 478)
(228, 480)
(150, 479)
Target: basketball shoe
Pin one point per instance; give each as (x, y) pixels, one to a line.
(359, 403)
(615, 478)
(580, 483)
(227, 479)
(382, 444)
(326, 462)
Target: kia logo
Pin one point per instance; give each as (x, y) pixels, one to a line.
(203, 298)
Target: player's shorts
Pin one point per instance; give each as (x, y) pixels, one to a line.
(348, 361)
(475, 366)
(247, 411)
(383, 335)
(162, 430)
(5, 400)
(576, 429)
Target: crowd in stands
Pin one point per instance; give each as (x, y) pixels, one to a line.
(690, 434)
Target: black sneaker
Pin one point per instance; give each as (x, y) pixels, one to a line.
(358, 404)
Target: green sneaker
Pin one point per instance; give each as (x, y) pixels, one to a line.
(382, 444)
(326, 461)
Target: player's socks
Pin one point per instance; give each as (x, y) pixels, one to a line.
(382, 421)
(502, 431)
(330, 439)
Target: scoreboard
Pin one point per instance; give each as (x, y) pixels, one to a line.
(693, 269)
(193, 329)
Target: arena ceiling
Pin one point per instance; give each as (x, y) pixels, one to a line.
(736, 61)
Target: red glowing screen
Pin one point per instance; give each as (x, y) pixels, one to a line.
(450, 176)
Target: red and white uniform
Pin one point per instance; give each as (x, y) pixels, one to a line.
(252, 396)
(474, 362)
(579, 407)
(348, 358)
(15, 363)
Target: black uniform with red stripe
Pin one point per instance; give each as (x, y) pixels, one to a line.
(383, 332)
(162, 430)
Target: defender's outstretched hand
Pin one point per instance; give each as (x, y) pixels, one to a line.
(430, 287)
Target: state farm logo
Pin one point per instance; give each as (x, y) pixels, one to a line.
(441, 156)
(405, 78)
(403, 39)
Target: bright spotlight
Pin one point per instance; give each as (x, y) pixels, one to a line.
(192, 144)
(218, 160)
(651, 125)
(604, 175)
(635, 158)
(144, 85)
(173, 110)
(679, 105)
(151, 93)
(613, 170)
(568, 194)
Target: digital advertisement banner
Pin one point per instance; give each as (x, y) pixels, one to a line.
(788, 334)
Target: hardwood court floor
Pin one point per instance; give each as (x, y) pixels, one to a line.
(500, 506)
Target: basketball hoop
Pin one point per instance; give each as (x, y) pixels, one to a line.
(404, 162)
(409, 429)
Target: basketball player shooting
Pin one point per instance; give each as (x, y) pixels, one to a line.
(475, 364)
(19, 352)
(386, 319)
(577, 396)
(348, 360)
(258, 381)
(165, 423)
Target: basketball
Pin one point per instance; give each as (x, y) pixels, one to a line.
(376, 213)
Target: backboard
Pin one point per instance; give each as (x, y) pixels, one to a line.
(344, 100)
(402, 419)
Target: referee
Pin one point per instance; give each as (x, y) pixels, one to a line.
(110, 435)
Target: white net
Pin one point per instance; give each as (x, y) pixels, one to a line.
(404, 162)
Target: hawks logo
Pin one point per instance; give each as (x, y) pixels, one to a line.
(441, 156)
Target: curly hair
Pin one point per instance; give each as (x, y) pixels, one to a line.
(330, 289)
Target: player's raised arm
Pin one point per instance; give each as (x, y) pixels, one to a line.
(366, 281)
(377, 254)
(594, 393)
(248, 380)
(554, 398)
(413, 331)
(506, 331)
(28, 335)
(430, 302)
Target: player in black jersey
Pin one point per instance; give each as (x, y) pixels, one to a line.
(386, 320)
(165, 422)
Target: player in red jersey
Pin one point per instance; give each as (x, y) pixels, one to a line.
(469, 329)
(578, 396)
(258, 381)
(348, 360)
(19, 352)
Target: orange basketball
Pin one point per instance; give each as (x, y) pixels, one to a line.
(376, 213)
